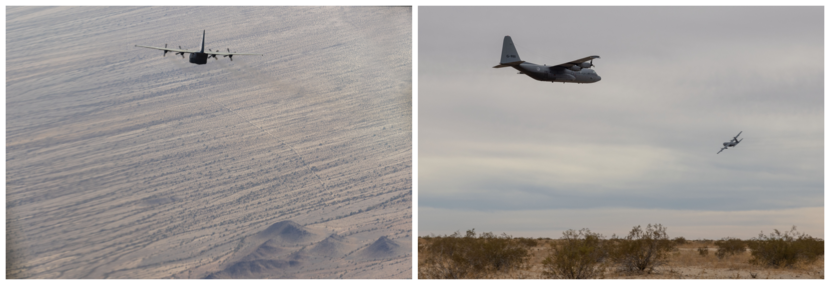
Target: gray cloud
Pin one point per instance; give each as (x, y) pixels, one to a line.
(677, 81)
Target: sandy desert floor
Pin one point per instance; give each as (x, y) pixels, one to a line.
(684, 263)
(123, 163)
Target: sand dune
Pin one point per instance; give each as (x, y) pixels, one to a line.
(332, 246)
(124, 163)
(383, 247)
(267, 250)
(286, 231)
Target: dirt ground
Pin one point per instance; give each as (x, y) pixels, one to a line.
(683, 263)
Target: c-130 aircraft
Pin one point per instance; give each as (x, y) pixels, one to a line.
(734, 142)
(199, 56)
(576, 71)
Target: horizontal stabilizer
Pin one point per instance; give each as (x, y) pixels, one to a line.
(515, 63)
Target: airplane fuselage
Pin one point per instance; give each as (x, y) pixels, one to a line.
(557, 73)
(198, 58)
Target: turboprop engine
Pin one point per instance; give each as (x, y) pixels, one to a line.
(578, 67)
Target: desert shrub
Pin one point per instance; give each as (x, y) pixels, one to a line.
(642, 250)
(785, 249)
(578, 255)
(497, 253)
(454, 256)
(680, 241)
(729, 246)
(703, 251)
(751, 243)
(529, 242)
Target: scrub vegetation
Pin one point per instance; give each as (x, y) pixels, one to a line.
(644, 253)
(641, 250)
(579, 255)
(468, 256)
(729, 246)
(785, 249)
(703, 250)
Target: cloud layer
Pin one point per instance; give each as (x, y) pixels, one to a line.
(677, 82)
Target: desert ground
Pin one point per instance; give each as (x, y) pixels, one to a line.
(124, 163)
(683, 263)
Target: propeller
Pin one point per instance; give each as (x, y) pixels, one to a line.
(230, 56)
(212, 55)
(592, 63)
(180, 53)
(165, 51)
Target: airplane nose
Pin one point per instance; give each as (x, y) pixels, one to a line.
(599, 78)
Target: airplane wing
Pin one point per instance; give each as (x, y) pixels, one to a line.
(736, 137)
(230, 53)
(170, 49)
(721, 150)
(578, 61)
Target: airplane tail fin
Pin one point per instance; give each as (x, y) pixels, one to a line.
(203, 42)
(509, 55)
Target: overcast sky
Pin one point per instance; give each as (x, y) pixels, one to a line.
(502, 152)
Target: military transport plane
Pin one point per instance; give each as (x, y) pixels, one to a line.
(734, 142)
(576, 71)
(199, 56)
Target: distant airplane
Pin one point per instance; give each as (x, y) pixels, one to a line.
(199, 56)
(576, 71)
(734, 142)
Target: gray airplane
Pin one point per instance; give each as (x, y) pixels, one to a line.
(576, 71)
(734, 142)
(199, 56)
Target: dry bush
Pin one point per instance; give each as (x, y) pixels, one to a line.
(680, 241)
(579, 255)
(729, 246)
(529, 242)
(456, 257)
(641, 250)
(703, 251)
(498, 253)
(785, 249)
(439, 266)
